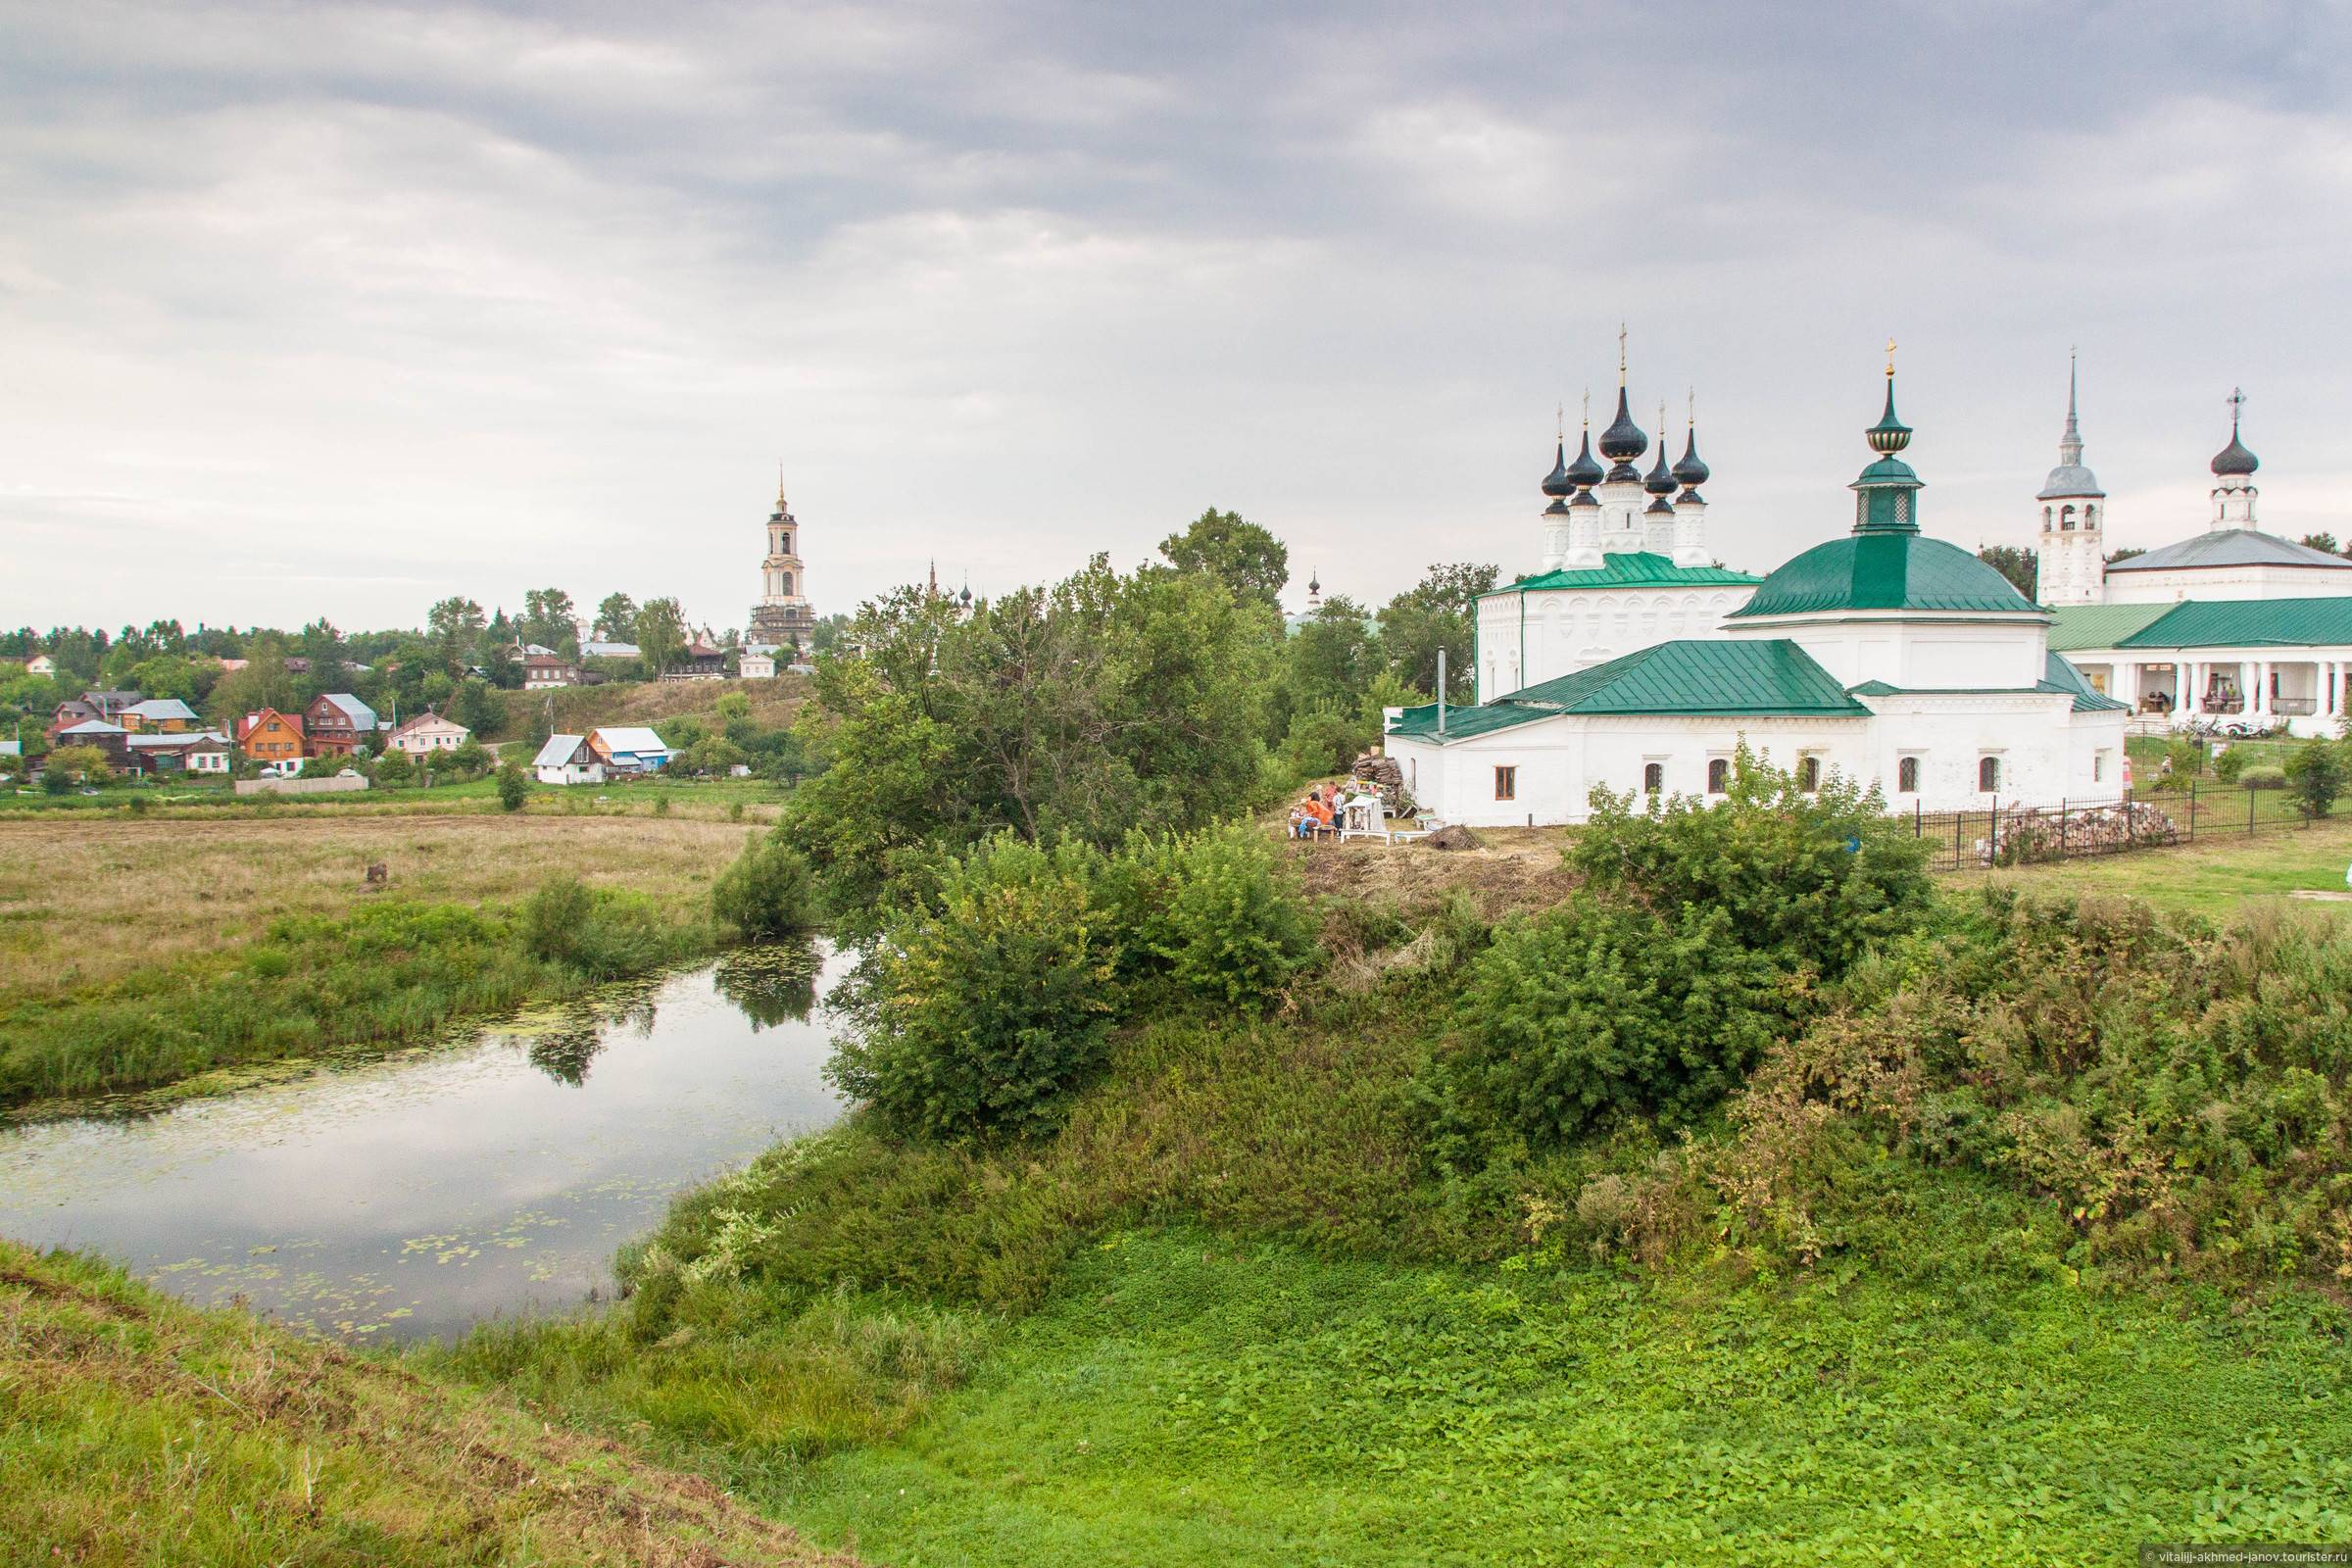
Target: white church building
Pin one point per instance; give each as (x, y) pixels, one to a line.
(2235, 627)
(1631, 662)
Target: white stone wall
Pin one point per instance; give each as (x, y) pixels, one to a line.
(2228, 582)
(1568, 629)
(2047, 753)
(1905, 649)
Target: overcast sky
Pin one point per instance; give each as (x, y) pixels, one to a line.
(335, 310)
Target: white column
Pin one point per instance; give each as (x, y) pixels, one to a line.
(2261, 684)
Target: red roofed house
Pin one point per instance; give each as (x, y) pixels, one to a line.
(270, 736)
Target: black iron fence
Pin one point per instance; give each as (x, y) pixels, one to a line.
(2031, 835)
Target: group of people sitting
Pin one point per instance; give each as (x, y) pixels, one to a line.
(1319, 814)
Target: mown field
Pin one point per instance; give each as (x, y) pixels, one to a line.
(139, 951)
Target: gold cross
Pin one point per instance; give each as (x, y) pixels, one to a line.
(1891, 359)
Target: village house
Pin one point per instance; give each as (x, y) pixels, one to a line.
(108, 738)
(183, 751)
(40, 664)
(426, 734)
(758, 665)
(624, 749)
(270, 736)
(337, 724)
(163, 716)
(543, 670)
(73, 710)
(567, 760)
(703, 660)
(109, 705)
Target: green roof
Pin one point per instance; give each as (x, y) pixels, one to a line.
(1633, 568)
(2248, 623)
(1884, 569)
(2099, 626)
(1691, 676)
(2059, 679)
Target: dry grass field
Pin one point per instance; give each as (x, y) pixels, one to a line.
(84, 900)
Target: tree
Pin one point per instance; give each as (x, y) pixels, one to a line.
(323, 646)
(1328, 662)
(2014, 562)
(475, 708)
(547, 620)
(454, 623)
(85, 763)
(660, 635)
(1436, 612)
(2323, 542)
(1249, 560)
(2124, 554)
(513, 786)
(394, 767)
(261, 684)
(616, 618)
(767, 894)
(2316, 772)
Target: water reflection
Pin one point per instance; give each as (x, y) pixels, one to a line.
(418, 1194)
(772, 985)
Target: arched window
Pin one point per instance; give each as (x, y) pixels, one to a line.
(2045, 519)
(1906, 776)
(1654, 777)
(784, 577)
(2066, 518)
(2090, 516)
(1808, 772)
(1988, 774)
(1718, 776)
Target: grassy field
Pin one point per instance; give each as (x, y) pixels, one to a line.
(145, 950)
(1188, 1399)
(2212, 877)
(85, 902)
(137, 1431)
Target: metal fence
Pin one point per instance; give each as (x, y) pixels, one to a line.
(2033, 835)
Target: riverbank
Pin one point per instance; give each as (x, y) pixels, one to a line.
(134, 1430)
(140, 953)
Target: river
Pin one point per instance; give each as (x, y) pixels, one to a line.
(413, 1196)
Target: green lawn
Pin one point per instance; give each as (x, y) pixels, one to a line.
(1186, 1399)
(2212, 877)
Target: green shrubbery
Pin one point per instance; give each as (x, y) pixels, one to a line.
(2260, 779)
(513, 786)
(602, 933)
(1600, 1007)
(2229, 763)
(988, 999)
(984, 1007)
(767, 892)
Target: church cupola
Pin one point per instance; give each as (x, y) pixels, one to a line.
(1886, 493)
(1661, 481)
(2233, 469)
(1584, 472)
(1621, 442)
(1690, 471)
(1558, 482)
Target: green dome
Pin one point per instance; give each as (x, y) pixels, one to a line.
(1883, 570)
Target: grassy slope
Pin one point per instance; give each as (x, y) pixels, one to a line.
(134, 1430)
(1184, 1400)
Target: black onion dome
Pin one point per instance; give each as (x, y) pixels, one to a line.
(2235, 459)
(1660, 508)
(1557, 509)
(1690, 471)
(1583, 470)
(1558, 482)
(1661, 477)
(1623, 441)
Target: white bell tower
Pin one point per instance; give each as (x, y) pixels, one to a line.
(2071, 549)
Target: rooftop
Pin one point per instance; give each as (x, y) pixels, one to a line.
(1631, 569)
(2231, 546)
(1687, 676)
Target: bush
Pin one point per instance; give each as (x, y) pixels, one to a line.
(470, 756)
(1814, 879)
(2187, 757)
(2229, 764)
(1323, 741)
(2262, 778)
(986, 1004)
(513, 786)
(1601, 1006)
(394, 767)
(604, 935)
(54, 780)
(1219, 915)
(768, 892)
(2316, 771)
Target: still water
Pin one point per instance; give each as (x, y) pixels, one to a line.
(412, 1196)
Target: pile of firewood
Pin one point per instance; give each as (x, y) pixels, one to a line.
(2025, 834)
(1383, 774)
